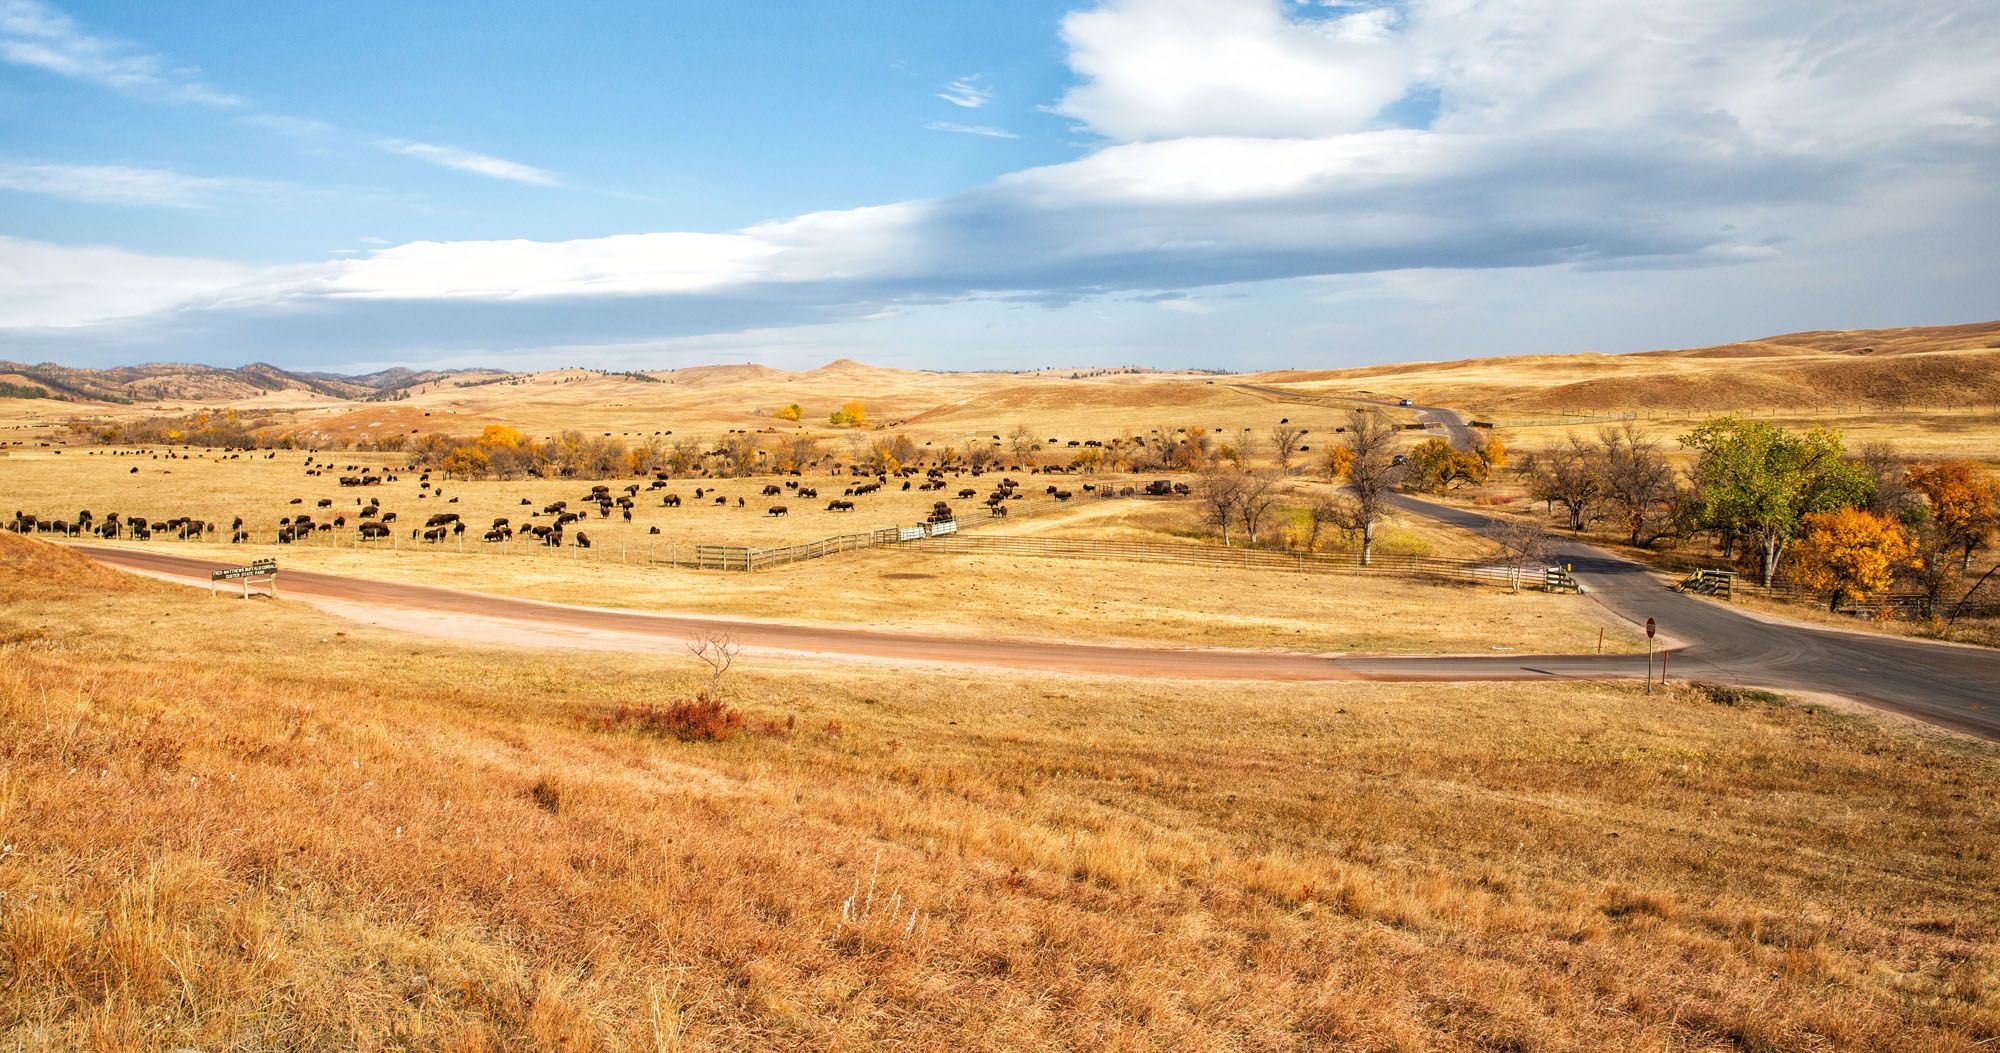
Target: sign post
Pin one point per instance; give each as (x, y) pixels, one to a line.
(262, 572)
(1650, 630)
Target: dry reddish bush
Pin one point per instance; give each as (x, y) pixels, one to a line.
(699, 719)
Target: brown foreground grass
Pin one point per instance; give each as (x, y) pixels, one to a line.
(239, 826)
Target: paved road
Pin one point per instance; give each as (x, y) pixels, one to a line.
(1956, 687)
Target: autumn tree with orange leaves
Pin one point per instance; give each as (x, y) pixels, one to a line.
(1850, 553)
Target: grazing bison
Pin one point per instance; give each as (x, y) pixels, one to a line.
(652, 530)
(773, 490)
(239, 537)
(722, 500)
(777, 510)
(807, 491)
(324, 502)
(840, 506)
(671, 501)
(968, 492)
(582, 539)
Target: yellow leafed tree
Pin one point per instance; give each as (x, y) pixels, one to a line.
(1850, 553)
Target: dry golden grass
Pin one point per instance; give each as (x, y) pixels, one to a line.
(1039, 599)
(261, 830)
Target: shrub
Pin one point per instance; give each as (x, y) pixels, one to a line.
(699, 719)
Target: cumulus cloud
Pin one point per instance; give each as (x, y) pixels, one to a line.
(1159, 69)
(468, 161)
(34, 34)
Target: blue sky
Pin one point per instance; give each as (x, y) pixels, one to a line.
(1223, 183)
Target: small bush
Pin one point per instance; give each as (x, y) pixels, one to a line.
(699, 719)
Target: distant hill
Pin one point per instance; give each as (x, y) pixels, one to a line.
(180, 382)
(1878, 368)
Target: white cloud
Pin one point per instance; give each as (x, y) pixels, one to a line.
(34, 34)
(623, 265)
(987, 131)
(1254, 141)
(468, 161)
(46, 286)
(114, 184)
(967, 92)
(1160, 69)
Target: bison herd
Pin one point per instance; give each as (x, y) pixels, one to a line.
(557, 517)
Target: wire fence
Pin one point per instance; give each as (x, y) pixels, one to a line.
(1249, 558)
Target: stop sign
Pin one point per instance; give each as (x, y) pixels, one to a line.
(1650, 629)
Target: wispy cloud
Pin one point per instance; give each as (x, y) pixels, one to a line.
(967, 92)
(971, 129)
(35, 34)
(468, 161)
(117, 184)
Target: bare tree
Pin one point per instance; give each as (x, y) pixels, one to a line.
(1639, 483)
(1370, 440)
(718, 652)
(1893, 496)
(1572, 476)
(1523, 543)
(1218, 489)
(1258, 493)
(1328, 511)
(1285, 439)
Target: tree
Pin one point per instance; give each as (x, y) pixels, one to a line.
(1370, 441)
(792, 412)
(1023, 444)
(1494, 452)
(1435, 464)
(466, 462)
(1254, 500)
(1963, 505)
(1850, 553)
(1571, 475)
(1638, 483)
(1333, 511)
(1523, 543)
(1218, 490)
(850, 413)
(1285, 440)
(1759, 481)
(1338, 460)
(1893, 496)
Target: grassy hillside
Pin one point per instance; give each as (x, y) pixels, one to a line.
(245, 825)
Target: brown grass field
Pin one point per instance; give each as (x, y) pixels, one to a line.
(250, 826)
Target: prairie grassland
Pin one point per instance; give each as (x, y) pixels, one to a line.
(236, 826)
(207, 485)
(1925, 434)
(1024, 598)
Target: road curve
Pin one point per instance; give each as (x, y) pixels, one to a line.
(648, 631)
(1952, 686)
(1955, 687)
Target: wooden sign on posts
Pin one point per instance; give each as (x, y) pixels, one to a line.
(263, 572)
